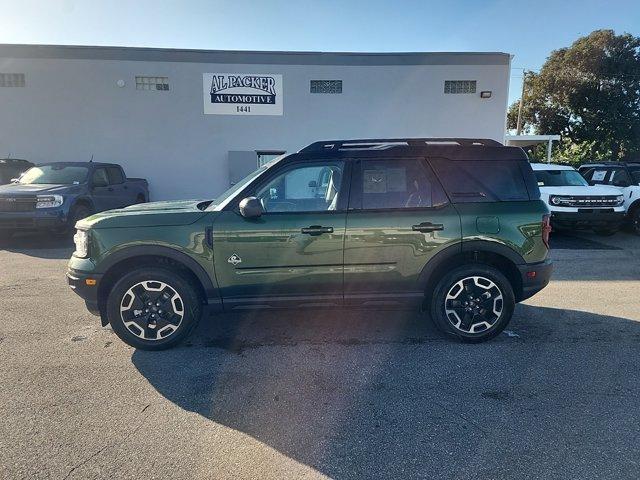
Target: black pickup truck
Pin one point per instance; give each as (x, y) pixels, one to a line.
(54, 196)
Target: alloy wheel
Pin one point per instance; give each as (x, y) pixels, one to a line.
(152, 310)
(474, 304)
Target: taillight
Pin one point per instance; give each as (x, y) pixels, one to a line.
(546, 229)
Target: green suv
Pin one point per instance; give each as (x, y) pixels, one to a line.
(452, 227)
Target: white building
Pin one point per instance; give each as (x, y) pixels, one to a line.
(194, 121)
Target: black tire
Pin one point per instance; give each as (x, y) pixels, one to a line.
(132, 335)
(502, 296)
(605, 232)
(78, 212)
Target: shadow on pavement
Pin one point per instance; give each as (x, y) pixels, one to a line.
(41, 245)
(568, 241)
(383, 395)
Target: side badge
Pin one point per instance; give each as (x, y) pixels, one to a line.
(234, 259)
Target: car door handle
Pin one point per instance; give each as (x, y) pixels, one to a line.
(425, 227)
(316, 230)
(110, 189)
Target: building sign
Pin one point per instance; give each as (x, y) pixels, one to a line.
(242, 93)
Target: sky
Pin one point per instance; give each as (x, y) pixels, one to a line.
(527, 30)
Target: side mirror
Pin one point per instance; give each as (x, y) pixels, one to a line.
(251, 207)
(14, 180)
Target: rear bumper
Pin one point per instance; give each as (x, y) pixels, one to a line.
(35, 220)
(535, 276)
(587, 218)
(87, 291)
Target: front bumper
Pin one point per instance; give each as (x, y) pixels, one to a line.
(40, 219)
(535, 276)
(86, 286)
(587, 218)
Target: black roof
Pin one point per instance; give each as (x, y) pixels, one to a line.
(450, 148)
(81, 164)
(611, 164)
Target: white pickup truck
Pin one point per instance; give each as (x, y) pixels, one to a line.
(575, 204)
(623, 175)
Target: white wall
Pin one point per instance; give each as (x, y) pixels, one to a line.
(71, 109)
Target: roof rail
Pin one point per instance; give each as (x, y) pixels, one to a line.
(381, 143)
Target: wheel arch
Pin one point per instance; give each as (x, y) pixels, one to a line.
(82, 201)
(153, 255)
(634, 206)
(494, 254)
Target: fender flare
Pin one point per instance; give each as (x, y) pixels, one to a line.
(633, 207)
(84, 199)
(208, 285)
(463, 247)
(493, 247)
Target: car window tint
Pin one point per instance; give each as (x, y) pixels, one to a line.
(635, 174)
(482, 180)
(620, 177)
(599, 176)
(115, 175)
(398, 183)
(100, 177)
(303, 188)
(559, 178)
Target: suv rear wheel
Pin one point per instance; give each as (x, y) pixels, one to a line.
(473, 302)
(153, 308)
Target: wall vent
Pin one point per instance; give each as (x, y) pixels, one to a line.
(11, 79)
(460, 86)
(326, 86)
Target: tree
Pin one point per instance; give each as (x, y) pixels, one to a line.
(590, 94)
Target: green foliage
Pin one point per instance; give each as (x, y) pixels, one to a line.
(590, 94)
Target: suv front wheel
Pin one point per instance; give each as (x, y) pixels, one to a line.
(473, 302)
(152, 308)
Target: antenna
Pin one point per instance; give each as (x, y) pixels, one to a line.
(91, 158)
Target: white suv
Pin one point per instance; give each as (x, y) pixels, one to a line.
(575, 204)
(623, 175)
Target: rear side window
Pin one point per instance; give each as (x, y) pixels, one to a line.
(483, 180)
(115, 175)
(396, 184)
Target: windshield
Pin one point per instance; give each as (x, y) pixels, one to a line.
(220, 201)
(55, 174)
(560, 178)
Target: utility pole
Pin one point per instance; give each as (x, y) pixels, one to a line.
(519, 124)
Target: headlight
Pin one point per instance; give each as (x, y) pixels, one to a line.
(49, 201)
(557, 200)
(81, 239)
(620, 200)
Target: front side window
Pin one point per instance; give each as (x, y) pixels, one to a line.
(100, 178)
(115, 175)
(620, 178)
(560, 178)
(55, 175)
(304, 188)
(397, 183)
(635, 174)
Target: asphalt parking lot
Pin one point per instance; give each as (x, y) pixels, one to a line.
(336, 394)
